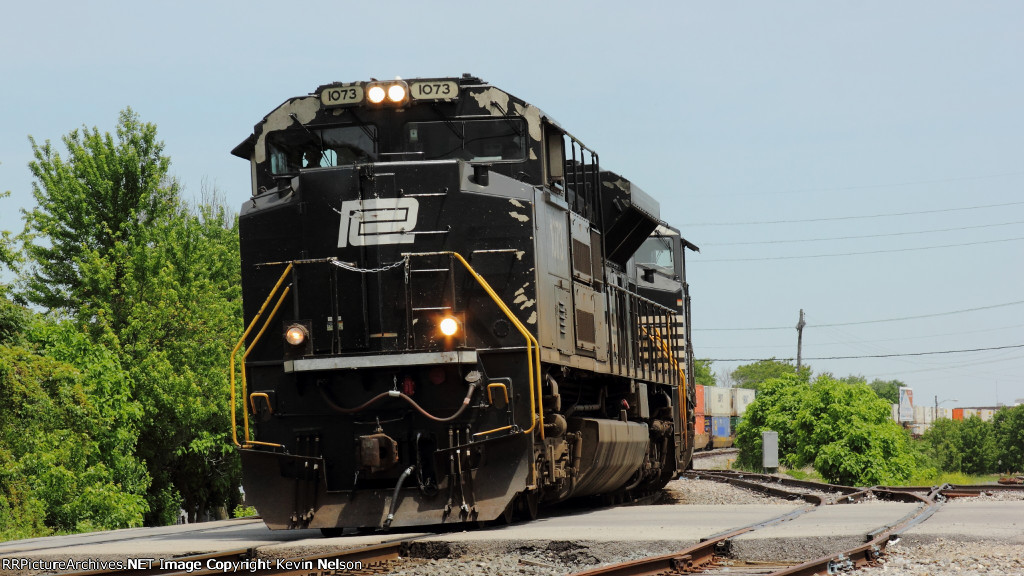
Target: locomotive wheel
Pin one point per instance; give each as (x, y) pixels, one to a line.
(509, 514)
(526, 504)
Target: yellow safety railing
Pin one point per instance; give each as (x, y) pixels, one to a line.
(234, 352)
(532, 348)
(660, 344)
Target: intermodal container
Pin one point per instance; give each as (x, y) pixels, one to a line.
(969, 412)
(699, 408)
(987, 414)
(946, 413)
(701, 437)
(896, 412)
(924, 414)
(721, 434)
(958, 413)
(741, 398)
(734, 421)
(717, 401)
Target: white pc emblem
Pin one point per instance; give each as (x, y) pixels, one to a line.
(377, 221)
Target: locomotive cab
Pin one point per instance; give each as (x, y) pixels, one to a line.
(454, 314)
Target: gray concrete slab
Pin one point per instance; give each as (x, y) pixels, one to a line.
(824, 531)
(160, 542)
(684, 523)
(967, 519)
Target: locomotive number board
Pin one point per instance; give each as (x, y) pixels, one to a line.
(354, 94)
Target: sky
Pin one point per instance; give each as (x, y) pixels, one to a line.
(862, 161)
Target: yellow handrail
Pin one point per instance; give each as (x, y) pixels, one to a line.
(665, 350)
(234, 352)
(532, 346)
(245, 356)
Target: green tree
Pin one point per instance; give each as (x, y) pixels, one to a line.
(843, 430)
(702, 372)
(775, 407)
(67, 434)
(847, 434)
(102, 197)
(13, 318)
(113, 246)
(888, 390)
(943, 445)
(1008, 427)
(979, 446)
(752, 375)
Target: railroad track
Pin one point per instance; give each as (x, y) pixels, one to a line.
(367, 560)
(712, 556)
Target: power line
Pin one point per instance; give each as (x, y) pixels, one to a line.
(874, 355)
(920, 316)
(857, 253)
(835, 218)
(866, 321)
(868, 186)
(847, 342)
(758, 242)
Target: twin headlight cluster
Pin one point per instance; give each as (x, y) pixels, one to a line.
(395, 92)
(297, 335)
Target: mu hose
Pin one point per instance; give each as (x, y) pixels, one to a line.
(394, 496)
(403, 396)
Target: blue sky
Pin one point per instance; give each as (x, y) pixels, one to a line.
(880, 127)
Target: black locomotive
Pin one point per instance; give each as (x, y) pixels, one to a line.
(454, 313)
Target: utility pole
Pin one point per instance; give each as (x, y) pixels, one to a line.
(799, 339)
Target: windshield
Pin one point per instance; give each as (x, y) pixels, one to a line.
(656, 251)
(294, 149)
(484, 139)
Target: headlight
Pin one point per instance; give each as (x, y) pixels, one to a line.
(376, 94)
(396, 93)
(449, 326)
(296, 335)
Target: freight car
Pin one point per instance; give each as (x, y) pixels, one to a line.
(454, 313)
(718, 411)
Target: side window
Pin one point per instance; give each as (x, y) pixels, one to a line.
(555, 161)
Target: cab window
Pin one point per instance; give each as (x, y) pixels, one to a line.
(296, 149)
(480, 140)
(657, 251)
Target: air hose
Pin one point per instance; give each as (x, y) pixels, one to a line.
(394, 497)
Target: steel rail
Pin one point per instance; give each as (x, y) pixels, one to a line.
(702, 555)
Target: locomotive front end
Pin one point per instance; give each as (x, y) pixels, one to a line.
(384, 277)
(453, 314)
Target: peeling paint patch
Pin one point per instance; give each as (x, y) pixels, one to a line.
(520, 217)
(621, 184)
(486, 97)
(533, 155)
(305, 109)
(519, 298)
(532, 116)
(516, 203)
(520, 254)
(533, 318)
(521, 290)
(527, 304)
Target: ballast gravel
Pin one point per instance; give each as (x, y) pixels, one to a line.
(945, 557)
